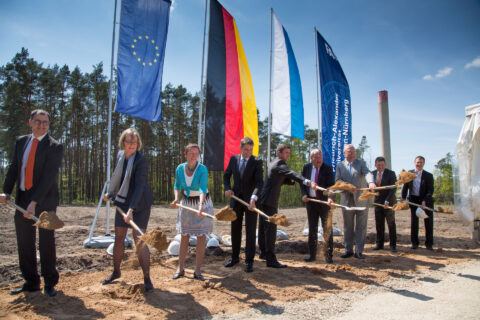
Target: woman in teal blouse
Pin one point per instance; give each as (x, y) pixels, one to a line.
(192, 178)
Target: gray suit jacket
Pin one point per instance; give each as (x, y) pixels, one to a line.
(360, 176)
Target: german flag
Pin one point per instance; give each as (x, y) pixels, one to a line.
(230, 112)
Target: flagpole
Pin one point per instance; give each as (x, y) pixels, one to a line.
(202, 96)
(270, 89)
(319, 133)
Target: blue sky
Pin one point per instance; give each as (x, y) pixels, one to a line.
(425, 53)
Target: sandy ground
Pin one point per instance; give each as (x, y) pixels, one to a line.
(228, 291)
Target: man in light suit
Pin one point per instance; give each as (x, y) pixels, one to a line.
(356, 172)
(247, 174)
(385, 177)
(34, 169)
(322, 174)
(278, 174)
(420, 191)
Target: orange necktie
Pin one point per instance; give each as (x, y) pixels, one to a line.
(379, 177)
(30, 164)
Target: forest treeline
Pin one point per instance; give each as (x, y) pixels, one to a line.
(78, 105)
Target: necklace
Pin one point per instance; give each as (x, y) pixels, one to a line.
(191, 170)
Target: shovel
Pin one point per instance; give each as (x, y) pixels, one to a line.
(426, 208)
(155, 238)
(281, 220)
(393, 186)
(337, 205)
(47, 220)
(383, 206)
(325, 190)
(218, 216)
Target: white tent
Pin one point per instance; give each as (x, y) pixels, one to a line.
(467, 171)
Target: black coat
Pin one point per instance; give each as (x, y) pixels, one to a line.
(249, 184)
(48, 159)
(389, 178)
(325, 179)
(278, 174)
(426, 188)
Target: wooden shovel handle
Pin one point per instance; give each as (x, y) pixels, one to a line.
(324, 202)
(383, 206)
(419, 205)
(194, 210)
(133, 224)
(379, 188)
(246, 204)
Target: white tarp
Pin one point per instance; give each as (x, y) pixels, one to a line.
(467, 173)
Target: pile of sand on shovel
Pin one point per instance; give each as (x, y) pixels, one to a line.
(367, 195)
(340, 185)
(49, 220)
(401, 206)
(405, 177)
(226, 214)
(444, 210)
(157, 239)
(279, 219)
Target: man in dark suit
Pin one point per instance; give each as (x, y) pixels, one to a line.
(420, 191)
(385, 177)
(278, 174)
(34, 169)
(247, 174)
(322, 175)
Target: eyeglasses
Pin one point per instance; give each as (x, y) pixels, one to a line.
(130, 142)
(41, 123)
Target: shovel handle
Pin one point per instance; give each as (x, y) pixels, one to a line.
(383, 206)
(393, 186)
(133, 224)
(22, 210)
(419, 205)
(324, 202)
(246, 204)
(195, 210)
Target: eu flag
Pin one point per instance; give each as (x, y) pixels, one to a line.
(143, 37)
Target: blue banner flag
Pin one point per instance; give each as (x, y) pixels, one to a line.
(141, 51)
(336, 107)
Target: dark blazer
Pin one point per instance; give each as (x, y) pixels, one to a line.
(48, 159)
(249, 184)
(140, 195)
(325, 179)
(426, 188)
(389, 178)
(278, 174)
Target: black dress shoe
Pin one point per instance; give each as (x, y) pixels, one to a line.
(178, 274)
(393, 249)
(276, 265)
(414, 246)
(113, 276)
(328, 259)
(198, 276)
(347, 254)
(429, 247)
(230, 263)
(249, 267)
(310, 258)
(50, 291)
(377, 247)
(148, 284)
(359, 256)
(24, 288)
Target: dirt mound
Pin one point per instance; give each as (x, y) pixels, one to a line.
(226, 214)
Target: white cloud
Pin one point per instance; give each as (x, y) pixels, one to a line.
(440, 74)
(474, 64)
(444, 72)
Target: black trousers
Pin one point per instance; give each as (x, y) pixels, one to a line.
(267, 234)
(26, 242)
(382, 214)
(414, 223)
(250, 232)
(314, 212)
